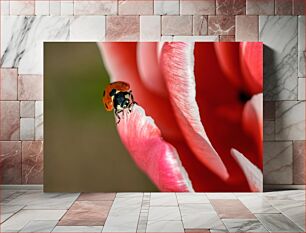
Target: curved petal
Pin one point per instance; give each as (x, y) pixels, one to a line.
(216, 95)
(252, 120)
(229, 60)
(251, 62)
(253, 174)
(150, 73)
(157, 158)
(178, 64)
(121, 62)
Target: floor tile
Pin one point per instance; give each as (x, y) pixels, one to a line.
(205, 217)
(39, 226)
(161, 213)
(278, 223)
(294, 210)
(122, 218)
(165, 226)
(232, 209)
(38, 200)
(97, 197)
(183, 198)
(297, 195)
(163, 199)
(258, 205)
(9, 210)
(220, 196)
(84, 229)
(86, 213)
(20, 219)
(129, 195)
(239, 225)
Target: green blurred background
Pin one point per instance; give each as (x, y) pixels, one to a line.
(82, 149)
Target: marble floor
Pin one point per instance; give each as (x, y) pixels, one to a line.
(35, 211)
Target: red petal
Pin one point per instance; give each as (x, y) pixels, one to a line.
(148, 65)
(178, 63)
(251, 61)
(253, 174)
(221, 110)
(157, 158)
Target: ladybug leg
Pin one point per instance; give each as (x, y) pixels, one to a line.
(117, 115)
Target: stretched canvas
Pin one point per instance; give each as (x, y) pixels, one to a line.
(139, 116)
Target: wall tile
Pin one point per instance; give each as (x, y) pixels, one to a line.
(9, 120)
(299, 7)
(200, 25)
(27, 109)
(301, 88)
(42, 7)
(269, 130)
(246, 28)
(5, 7)
(177, 25)
(55, 7)
(27, 34)
(230, 7)
(26, 128)
(123, 28)
(135, 7)
(150, 28)
(203, 7)
(283, 7)
(221, 25)
(8, 87)
(269, 110)
(301, 46)
(39, 108)
(279, 34)
(227, 38)
(32, 162)
(278, 163)
(95, 7)
(10, 166)
(290, 120)
(30, 87)
(87, 28)
(260, 7)
(66, 7)
(299, 162)
(22, 7)
(167, 7)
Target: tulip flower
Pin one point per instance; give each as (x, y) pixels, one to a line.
(197, 125)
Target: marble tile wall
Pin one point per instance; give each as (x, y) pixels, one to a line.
(26, 24)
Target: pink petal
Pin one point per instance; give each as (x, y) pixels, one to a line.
(178, 64)
(157, 158)
(252, 120)
(252, 173)
(148, 65)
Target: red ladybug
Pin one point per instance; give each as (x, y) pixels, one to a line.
(118, 96)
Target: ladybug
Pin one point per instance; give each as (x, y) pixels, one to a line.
(117, 96)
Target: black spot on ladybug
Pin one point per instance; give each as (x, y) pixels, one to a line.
(113, 92)
(103, 93)
(244, 97)
(105, 105)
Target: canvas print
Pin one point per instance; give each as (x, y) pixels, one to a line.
(171, 117)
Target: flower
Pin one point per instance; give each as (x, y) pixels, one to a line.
(198, 126)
